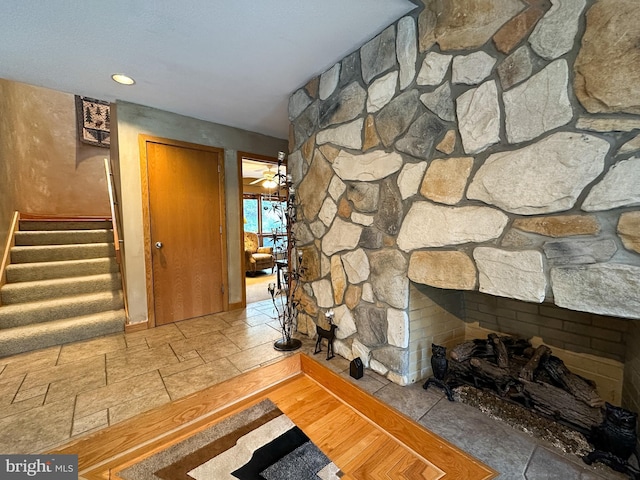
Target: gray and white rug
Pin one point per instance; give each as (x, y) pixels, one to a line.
(259, 443)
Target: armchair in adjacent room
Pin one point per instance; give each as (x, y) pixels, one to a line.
(256, 257)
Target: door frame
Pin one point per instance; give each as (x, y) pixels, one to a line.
(261, 158)
(146, 216)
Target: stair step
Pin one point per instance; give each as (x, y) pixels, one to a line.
(58, 332)
(63, 237)
(28, 272)
(22, 314)
(64, 224)
(22, 292)
(52, 253)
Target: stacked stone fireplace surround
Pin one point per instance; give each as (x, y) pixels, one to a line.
(475, 168)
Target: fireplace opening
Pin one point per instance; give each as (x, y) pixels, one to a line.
(523, 355)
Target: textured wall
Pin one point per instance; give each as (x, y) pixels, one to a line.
(48, 171)
(133, 120)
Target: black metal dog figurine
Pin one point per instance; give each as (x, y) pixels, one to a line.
(328, 334)
(439, 365)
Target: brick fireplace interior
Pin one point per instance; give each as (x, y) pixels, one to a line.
(591, 345)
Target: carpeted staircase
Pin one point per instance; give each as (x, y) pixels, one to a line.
(63, 285)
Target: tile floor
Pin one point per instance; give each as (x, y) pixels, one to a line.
(49, 396)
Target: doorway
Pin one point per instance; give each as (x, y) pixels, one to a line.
(262, 201)
(185, 238)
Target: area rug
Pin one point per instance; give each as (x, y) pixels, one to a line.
(257, 286)
(259, 443)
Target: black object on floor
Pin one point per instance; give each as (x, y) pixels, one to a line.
(356, 368)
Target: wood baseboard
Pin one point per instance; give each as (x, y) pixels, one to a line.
(236, 306)
(136, 327)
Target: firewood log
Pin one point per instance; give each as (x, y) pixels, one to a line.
(502, 356)
(473, 348)
(561, 405)
(529, 369)
(577, 386)
(491, 373)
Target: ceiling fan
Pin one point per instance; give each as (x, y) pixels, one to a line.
(268, 178)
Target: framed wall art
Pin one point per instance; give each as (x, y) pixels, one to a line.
(94, 121)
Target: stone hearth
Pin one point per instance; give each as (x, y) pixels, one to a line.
(483, 150)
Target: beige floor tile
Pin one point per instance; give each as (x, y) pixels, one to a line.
(221, 350)
(201, 343)
(26, 394)
(126, 364)
(239, 323)
(80, 382)
(155, 336)
(117, 393)
(139, 405)
(95, 421)
(37, 429)
(189, 356)
(9, 388)
(80, 350)
(254, 357)
(275, 324)
(133, 340)
(266, 307)
(179, 367)
(18, 408)
(250, 337)
(232, 315)
(197, 378)
(202, 325)
(29, 362)
(43, 376)
(259, 319)
(250, 311)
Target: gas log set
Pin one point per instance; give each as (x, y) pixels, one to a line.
(533, 378)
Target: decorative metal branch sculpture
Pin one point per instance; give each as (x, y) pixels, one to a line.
(285, 299)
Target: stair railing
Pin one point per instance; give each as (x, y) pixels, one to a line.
(6, 255)
(117, 241)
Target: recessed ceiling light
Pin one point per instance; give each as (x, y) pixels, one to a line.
(123, 79)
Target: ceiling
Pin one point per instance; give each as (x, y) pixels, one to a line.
(256, 168)
(233, 62)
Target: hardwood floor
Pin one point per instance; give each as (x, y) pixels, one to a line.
(360, 434)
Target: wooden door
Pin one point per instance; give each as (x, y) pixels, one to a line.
(185, 230)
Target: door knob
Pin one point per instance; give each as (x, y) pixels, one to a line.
(158, 244)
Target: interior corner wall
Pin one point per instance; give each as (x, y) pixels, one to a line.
(133, 120)
(7, 195)
(44, 169)
(631, 386)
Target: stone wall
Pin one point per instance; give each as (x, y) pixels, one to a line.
(477, 146)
